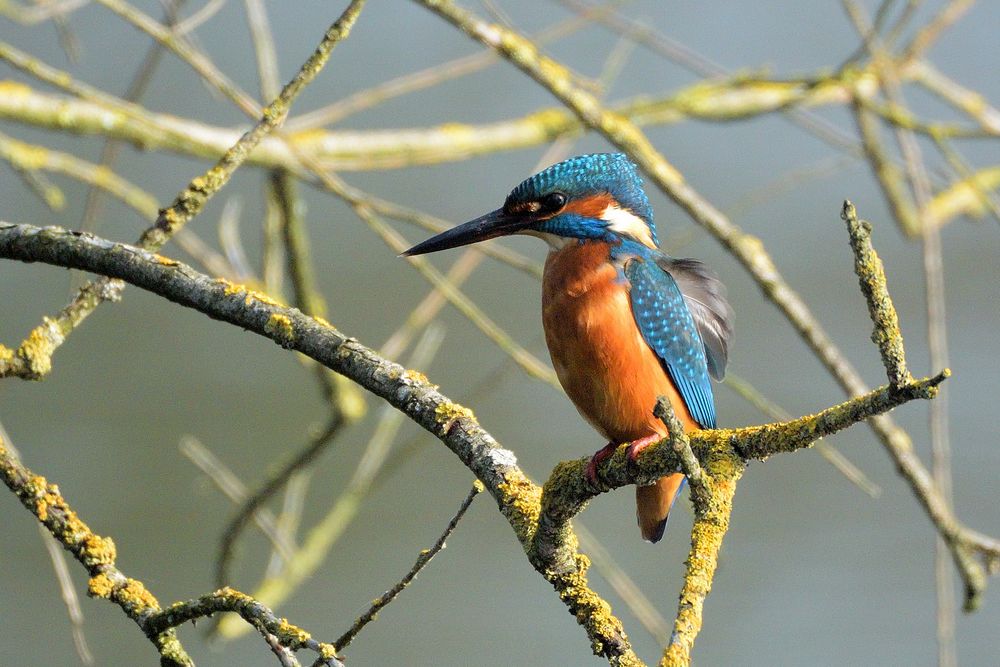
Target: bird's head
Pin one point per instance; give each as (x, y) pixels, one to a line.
(589, 197)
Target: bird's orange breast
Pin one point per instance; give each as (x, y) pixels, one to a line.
(607, 369)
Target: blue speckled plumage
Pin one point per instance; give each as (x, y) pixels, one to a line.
(624, 323)
(659, 306)
(667, 326)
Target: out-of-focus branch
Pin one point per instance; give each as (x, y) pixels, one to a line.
(408, 391)
(275, 588)
(187, 52)
(33, 358)
(747, 249)
(411, 393)
(423, 559)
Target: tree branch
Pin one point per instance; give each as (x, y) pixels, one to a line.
(98, 554)
(33, 358)
(408, 391)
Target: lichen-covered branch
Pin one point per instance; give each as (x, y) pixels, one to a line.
(409, 391)
(567, 490)
(264, 620)
(98, 554)
(748, 250)
(33, 358)
(713, 508)
(680, 445)
(871, 277)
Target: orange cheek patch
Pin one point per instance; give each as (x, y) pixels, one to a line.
(590, 207)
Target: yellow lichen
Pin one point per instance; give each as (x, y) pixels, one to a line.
(44, 502)
(98, 550)
(230, 288)
(416, 376)
(37, 348)
(36, 486)
(280, 326)
(327, 651)
(291, 635)
(523, 498)
(165, 261)
(6, 354)
(254, 295)
(100, 586)
(448, 412)
(170, 218)
(134, 594)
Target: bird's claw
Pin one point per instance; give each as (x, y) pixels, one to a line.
(599, 457)
(636, 446)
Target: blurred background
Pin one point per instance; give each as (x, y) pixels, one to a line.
(815, 570)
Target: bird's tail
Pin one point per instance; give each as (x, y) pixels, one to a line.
(653, 503)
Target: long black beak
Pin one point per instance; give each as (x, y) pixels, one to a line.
(489, 226)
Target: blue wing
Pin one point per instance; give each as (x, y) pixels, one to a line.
(668, 327)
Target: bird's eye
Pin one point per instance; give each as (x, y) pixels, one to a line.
(553, 202)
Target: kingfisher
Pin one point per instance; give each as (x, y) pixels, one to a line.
(624, 322)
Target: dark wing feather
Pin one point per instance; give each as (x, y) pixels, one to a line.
(706, 299)
(667, 326)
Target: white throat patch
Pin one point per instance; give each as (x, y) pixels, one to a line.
(624, 222)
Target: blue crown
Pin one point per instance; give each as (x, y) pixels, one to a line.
(584, 175)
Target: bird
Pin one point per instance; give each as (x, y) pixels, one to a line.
(624, 322)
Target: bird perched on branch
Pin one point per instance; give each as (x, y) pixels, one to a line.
(625, 323)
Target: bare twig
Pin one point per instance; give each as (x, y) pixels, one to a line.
(423, 559)
(33, 358)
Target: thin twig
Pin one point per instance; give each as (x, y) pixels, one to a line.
(274, 483)
(230, 485)
(775, 412)
(188, 53)
(309, 556)
(423, 559)
(33, 358)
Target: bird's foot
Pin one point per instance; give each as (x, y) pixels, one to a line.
(599, 457)
(636, 446)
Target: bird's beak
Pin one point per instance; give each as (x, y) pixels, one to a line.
(489, 226)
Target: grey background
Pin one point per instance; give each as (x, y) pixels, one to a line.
(812, 572)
